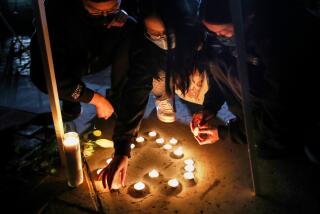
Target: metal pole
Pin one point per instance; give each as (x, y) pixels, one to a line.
(237, 18)
(46, 54)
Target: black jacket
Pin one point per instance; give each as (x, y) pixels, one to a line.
(145, 61)
(78, 47)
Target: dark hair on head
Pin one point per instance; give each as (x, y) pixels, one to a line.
(187, 56)
(151, 8)
(215, 11)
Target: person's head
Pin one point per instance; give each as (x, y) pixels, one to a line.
(105, 13)
(151, 15)
(215, 16)
(101, 7)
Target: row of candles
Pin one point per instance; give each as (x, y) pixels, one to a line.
(154, 174)
(189, 167)
(178, 153)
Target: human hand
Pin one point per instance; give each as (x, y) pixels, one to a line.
(203, 133)
(117, 167)
(103, 106)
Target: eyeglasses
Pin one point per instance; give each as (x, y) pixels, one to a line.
(156, 36)
(96, 12)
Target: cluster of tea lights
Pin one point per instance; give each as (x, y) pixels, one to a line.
(189, 167)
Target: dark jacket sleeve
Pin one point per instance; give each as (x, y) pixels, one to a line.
(69, 57)
(145, 61)
(214, 98)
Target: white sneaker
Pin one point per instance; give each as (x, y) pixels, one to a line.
(165, 111)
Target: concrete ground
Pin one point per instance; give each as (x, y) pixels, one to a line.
(223, 180)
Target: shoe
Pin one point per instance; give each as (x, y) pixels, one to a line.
(165, 111)
(70, 110)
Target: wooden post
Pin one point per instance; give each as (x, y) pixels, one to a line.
(48, 68)
(237, 18)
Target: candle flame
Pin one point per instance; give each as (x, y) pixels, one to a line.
(189, 168)
(139, 186)
(173, 141)
(153, 173)
(173, 182)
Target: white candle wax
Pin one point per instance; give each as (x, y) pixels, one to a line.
(167, 146)
(173, 141)
(71, 146)
(178, 152)
(153, 173)
(139, 139)
(152, 134)
(189, 168)
(188, 175)
(189, 162)
(139, 186)
(173, 183)
(160, 141)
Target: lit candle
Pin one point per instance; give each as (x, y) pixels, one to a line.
(178, 152)
(188, 175)
(152, 134)
(153, 173)
(160, 141)
(98, 171)
(139, 139)
(139, 186)
(196, 131)
(167, 146)
(71, 146)
(173, 141)
(189, 168)
(97, 133)
(189, 162)
(109, 160)
(173, 183)
(132, 146)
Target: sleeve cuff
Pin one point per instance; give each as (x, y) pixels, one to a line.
(122, 146)
(86, 95)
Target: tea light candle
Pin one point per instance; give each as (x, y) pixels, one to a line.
(173, 141)
(188, 175)
(139, 139)
(160, 141)
(97, 133)
(173, 183)
(167, 147)
(132, 146)
(152, 134)
(189, 162)
(189, 168)
(153, 173)
(71, 147)
(109, 160)
(196, 131)
(178, 152)
(139, 186)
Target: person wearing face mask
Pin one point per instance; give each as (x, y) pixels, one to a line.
(214, 55)
(147, 56)
(85, 36)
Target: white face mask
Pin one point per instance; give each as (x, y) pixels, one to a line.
(163, 42)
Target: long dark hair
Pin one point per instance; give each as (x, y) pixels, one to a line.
(187, 55)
